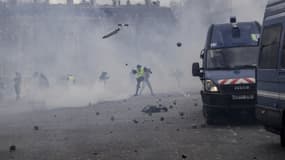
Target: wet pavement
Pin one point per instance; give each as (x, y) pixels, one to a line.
(121, 131)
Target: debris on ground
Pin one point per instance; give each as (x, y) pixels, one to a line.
(195, 104)
(184, 156)
(95, 153)
(175, 102)
(136, 151)
(177, 129)
(194, 126)
(203, 125)
(36, 128)
(112, 118)
(136, 121)
(171, 107)
(181, 114)
(149, 109)
(12, 148)
(97, 113)
(161, 118)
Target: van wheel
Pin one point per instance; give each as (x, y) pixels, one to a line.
(209, 115)
(282, 136)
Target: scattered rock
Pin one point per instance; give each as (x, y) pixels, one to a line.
(95, 153)
(194, 126)
(135, 121)
(36, 128)
(149, 109)
(184, 156)
(12, 148)
(161, 118)
(97, 113)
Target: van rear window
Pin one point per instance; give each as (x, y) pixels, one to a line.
(270, 44)
(226, 36)
(270, 2)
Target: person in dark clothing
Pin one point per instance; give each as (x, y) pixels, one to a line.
(17, 85)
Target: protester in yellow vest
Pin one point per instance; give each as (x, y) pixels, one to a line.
(139, 76)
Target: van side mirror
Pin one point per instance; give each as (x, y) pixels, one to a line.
(196, 70)
(202, 54)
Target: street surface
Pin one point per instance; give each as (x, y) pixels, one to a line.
(120, 131)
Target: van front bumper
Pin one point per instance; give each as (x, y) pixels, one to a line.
(225, 101)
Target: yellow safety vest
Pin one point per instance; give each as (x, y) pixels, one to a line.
(140, 73)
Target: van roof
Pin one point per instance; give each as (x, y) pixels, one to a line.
(274, 7)
(222, 35)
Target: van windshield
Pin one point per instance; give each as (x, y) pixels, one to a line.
(232, 58)
(227, 36)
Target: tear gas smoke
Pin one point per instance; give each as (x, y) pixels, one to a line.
(56, 46)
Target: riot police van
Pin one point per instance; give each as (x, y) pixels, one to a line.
(228, 68)
(270, 108)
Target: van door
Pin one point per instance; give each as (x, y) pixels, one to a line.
(267, 72)
(281, 106)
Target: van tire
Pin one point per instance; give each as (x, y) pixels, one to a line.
(209, 115)
(282, 137)
(282, 133)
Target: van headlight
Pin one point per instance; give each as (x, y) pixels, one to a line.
(210, 86)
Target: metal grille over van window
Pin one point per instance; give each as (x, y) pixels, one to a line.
(270, 47)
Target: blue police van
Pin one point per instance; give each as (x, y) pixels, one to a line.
(270, 108)
(228, 68)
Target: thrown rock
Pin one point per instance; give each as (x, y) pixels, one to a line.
(12, 148)
(135, 121)
(36, 128)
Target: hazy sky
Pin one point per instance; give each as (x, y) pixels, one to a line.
(163, 2)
